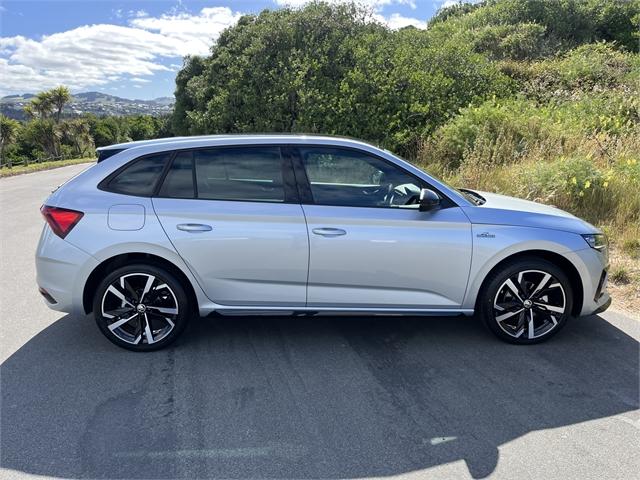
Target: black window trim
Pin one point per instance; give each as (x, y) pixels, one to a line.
(296, 184)
(304, 185)
(288, 177)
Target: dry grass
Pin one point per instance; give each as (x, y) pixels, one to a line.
(624, 282)
(596, 177)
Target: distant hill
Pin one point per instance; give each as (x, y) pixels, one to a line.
(97, 103)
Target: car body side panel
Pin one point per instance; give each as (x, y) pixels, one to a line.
(94, 237)
(494, 243)
(522, 227)
(388, 257)
(532, 215)
(256, 253)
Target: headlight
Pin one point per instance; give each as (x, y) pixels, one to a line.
(597, 241)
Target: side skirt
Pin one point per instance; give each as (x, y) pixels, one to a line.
(311, 311)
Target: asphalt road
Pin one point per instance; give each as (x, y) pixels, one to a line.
(303, 397)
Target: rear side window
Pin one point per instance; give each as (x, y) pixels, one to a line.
(251, 174)
(179, 180)
(139, 177)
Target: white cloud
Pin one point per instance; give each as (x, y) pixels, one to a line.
(396, 21)
(376, 4)
(194, 33)
(95, 55)
(138, 13)
(450, 3)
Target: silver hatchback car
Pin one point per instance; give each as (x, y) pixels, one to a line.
(164, 230)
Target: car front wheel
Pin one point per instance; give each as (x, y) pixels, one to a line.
(526, 301)
(141, 307)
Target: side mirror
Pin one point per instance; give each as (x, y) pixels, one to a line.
(428, 200)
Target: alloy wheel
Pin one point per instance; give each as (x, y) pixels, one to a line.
(529, 304)
(139, 308)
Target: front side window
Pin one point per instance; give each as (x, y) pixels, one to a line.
(344, 177)
(251, 174)
(140, 176)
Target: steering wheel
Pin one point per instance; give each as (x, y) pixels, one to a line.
(389, 195)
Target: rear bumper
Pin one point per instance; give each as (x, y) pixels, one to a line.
(60, 272)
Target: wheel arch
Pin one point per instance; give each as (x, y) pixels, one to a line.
(117, 261)
(565, 264)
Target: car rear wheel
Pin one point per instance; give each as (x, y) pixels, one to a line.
(527, 301)
(141, 307)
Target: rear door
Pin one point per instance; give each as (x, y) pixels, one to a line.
(233, 215)
(370, 246)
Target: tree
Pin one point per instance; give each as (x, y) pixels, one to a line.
(108, 130)
(330, 68)
(8, 132)
(59, 97)
(44, 133)
(143, 127)
(76, 133)
(40, 106)
(185, 93)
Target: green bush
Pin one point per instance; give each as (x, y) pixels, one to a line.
(591, 68)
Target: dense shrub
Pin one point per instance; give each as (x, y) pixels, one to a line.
(331, 69)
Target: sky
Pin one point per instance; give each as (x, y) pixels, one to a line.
(133, 49)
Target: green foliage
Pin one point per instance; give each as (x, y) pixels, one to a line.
(76, 137)
(519, 42)
(330, 69)
(36, 167)
(620, 275)
(47, 136)
(8, 133)
(106, 130)
(511, 26)
(59, 97)
(590, 68)
(109, 130)
(188, 83)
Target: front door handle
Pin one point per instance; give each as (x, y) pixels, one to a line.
(329, 232)
(194, 227)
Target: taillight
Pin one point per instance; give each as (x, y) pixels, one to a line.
(61, 220)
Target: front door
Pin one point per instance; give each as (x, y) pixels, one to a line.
(233, 215)
(370, 246)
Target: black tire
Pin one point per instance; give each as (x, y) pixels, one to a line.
(165, 292)
(499, 306)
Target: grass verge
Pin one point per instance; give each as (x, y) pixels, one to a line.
(624, 281)
(36, 167)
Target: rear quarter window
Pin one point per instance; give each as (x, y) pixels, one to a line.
(138, 177)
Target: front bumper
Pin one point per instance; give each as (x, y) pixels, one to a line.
(592, 266)
(604, 306)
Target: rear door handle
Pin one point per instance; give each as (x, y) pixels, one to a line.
(329, 232)
(194, 227)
